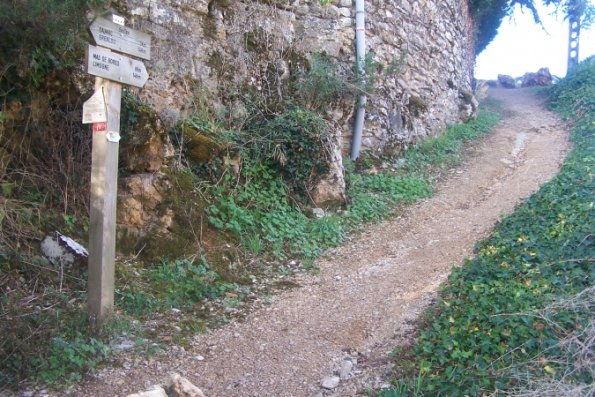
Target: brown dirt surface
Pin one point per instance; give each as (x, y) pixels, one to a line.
(369, 291)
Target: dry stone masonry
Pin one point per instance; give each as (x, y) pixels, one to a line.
(422, 47)
(221, 52)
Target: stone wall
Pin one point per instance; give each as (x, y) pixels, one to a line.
(211, 48)
(221, 53)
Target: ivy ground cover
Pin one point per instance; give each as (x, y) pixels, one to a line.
(492, 320)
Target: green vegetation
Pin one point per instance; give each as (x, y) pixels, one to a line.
(261, 212)
(297, 143)
(179, 284)
(39, 38)
(45, 336)
(499, 320)
(324, 82)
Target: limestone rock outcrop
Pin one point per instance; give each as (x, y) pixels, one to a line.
(146, 145)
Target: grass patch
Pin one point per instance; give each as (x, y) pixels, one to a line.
(261, 215)
(374, 196)
(446, 149)
(45, 337)
(179, 284)
(484, 324)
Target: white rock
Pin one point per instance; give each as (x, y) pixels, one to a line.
(318, 212)
(330, 382)
(182, 387)
(346, 367)
(63, 251)
(157, 392)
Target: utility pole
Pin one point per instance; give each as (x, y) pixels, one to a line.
(574, 28)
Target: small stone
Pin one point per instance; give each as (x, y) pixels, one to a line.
(330, 382)
(157, 392)
(318, 212)
(181, 387)
(400, 163)
(63, 251)
(346, 368)
(199, 358)
(122, 344)
(27, 394)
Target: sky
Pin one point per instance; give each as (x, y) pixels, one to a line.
(521, 46)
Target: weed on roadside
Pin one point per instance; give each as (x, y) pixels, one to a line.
(178, 284)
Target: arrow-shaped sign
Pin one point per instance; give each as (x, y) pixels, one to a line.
(120, 38)
(116, 67)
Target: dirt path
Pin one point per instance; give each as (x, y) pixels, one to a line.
(359, 307)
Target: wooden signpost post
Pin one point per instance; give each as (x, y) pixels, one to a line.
(103, 111)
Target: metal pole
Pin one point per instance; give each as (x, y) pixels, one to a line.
(360, 52)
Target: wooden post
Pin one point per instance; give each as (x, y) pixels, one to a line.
(104, 186)
(112, 70)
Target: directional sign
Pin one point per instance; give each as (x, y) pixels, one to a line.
(116, 67)
(120, 38)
